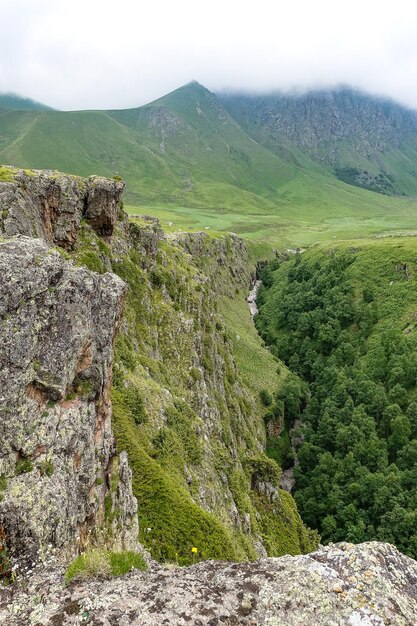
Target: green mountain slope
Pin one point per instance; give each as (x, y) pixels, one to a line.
(16, 102)
(186, 160)
(192, 127)
(366, 141)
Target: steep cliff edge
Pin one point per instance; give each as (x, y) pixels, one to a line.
(180, 408)
(51, 205)
(57, 454)
(190, 425)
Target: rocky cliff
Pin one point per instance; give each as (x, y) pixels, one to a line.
(324, 117)
(71, 261)
(111, 341)
(182, 411)
(367, 140)
(58, 323)
(51, 205)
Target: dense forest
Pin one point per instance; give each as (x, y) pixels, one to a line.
(343, 319)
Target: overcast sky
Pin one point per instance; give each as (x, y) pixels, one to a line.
(100, 54)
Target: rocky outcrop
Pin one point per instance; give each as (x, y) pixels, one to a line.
(341, 585)
(225, 260)
(145, 234)
(50, 205)
(365, 139)
(57, 327)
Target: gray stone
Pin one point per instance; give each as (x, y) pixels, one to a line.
(57, 325)
(342, 585)
(50, 205)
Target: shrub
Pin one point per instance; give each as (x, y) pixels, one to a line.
(265, 397)
(134, 402)
(101, 564)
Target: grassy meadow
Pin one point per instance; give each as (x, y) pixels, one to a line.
(188, 162)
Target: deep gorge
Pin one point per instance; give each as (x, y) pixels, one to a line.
(144, 425)
(331, 315)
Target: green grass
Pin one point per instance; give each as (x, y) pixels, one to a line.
(275, 519)
(187, 162)
(310, 213)
(176, 523)
(13, 101)
(259, 369)
(7, 174)
(97, 563)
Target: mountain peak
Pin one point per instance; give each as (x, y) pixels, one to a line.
(193, 88)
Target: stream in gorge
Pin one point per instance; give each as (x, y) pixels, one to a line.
(287, 478)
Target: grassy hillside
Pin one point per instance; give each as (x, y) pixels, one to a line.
(186, 160)
(13, 101)
(364, 140)
(343, 317)
(193, 128)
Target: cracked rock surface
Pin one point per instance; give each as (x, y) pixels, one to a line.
(370, 584)
(50, 205)
(57, 325)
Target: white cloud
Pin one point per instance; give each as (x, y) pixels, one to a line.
(102, 54)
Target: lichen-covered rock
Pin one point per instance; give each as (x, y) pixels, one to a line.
(342, 585)
(224, 260)
(102, 203)
(145, 234)
(57, 326)
(176, 383)
(50, 205)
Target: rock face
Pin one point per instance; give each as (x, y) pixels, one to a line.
(225, 261)
(322, 118)
(341, 585)
(145, 238)
(50, 205)
(358, 135)
(57, 328)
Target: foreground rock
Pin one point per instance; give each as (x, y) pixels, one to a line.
(50, 205)
(366, 585)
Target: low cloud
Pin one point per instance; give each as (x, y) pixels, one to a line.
(91, 54)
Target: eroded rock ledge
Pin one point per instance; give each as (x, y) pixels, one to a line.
(50, 205)
(366, 585)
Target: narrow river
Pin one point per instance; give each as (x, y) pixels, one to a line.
(287, 479)
(252, 297)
